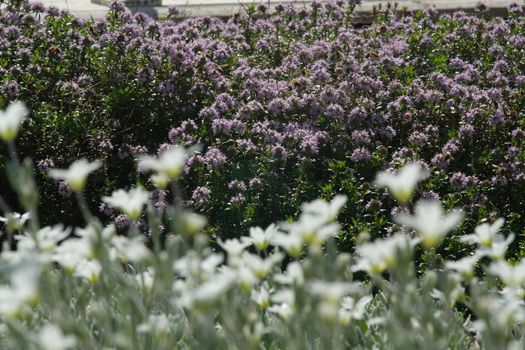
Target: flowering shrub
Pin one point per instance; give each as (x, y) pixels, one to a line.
(280, 287)
(287, 107)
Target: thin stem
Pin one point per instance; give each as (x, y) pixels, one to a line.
(12, 152)
(84, 207)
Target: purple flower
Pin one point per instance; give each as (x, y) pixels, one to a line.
(117, 6)
(214, 158)
(237, 199)
(255, 182)
(105, 209)
(237, 185)
(63, 189)
(418, 138)
(122, 222)
(360, 154)
(44, 164)
(201, 195)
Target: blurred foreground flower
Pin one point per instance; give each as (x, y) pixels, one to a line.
(402, 184)
(51, 337)
(15, 221)
(169, 164)
(430, 222)
(23, 290)
(485, 234)
(11, 119)
(130, 203)
(76, 174)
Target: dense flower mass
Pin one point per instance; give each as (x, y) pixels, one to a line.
(294, 104)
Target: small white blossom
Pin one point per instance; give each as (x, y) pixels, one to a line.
(130, 203)
(511, 276)
(377, 256)
(261, 238)
(51, 337)
(465, 266)
(498, 248)
(485, 234)
(129, 249)
(72, 252)
(233, 247)
(292, 243)
(156, 324)
(402, 184)
(285, 311)
(76, 174)
(89, 270)
(15, 221)
(46, 239)
(11, 119)
(170, 163)
(23, 289)
(259, 266)
(146, 279)
(326, 211)
(261, 297)
(191, 223)
(208, 292)
(430, 222)
(294, 275)
(352, 309)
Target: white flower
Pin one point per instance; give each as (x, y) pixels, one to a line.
(403, 184)
(485, 234)
(46, 239)
(352, 310)
(88, 269)
(312, 229)
(23, 290)
(292, 243)
(242, 275)
(208, 292)
(512, 276)
(285, 311)
(498, 248)
(261, 297)
(261, 238)
(505, 312)
(72, 252)
(15, 221)
(464, 266)
(51, 337)
(331, 292)
(259, 266)
(130, 203)
(233, 247)
(452, 292)
(76, 174)
(190, 223)
(156, 324)
(146, 279)
(129, 249)
(294, 275)
(325, 211)
(375, 257)
(170, 162)
(430, 222)
(92, 233)
(11, 119)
